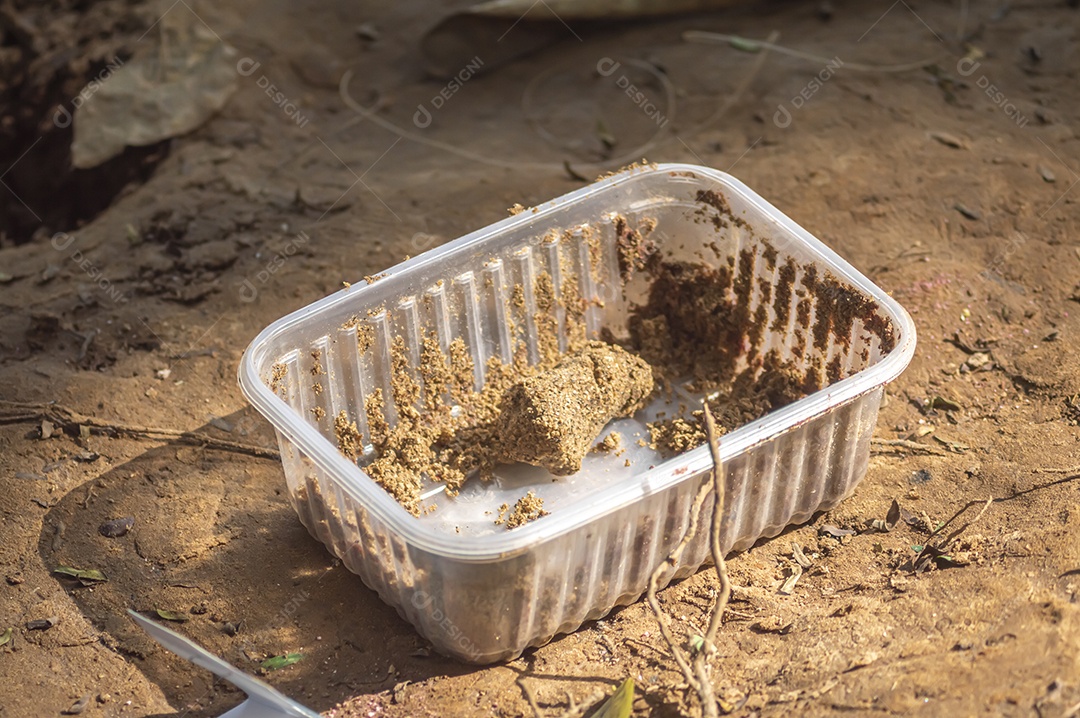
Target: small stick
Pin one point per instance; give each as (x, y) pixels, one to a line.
(719, 482)
(65, 418)
(887, 446)
(530, 697)
(650, 595)
(708, 700)
(1073, 470)
(952, 518)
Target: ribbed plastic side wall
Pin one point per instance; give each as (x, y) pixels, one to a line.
(485, 612)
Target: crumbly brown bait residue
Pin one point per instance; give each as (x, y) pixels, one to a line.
(633, 247)
(461, 369)
(277, 377)
(528, 508)
(365, 334)
(435, 372)
(689, 327)
(639, 165)
(575, 305)
(317, 388)
(610, 443)
(595, 253)
(316, 362)
(547, 326)
(746, 399)
(318, 412)
(375, 411)
(552, 419)
(403, 387)
(350, 442)
(365, 337)
(782, 295)
(723, 209)
(674, 436)
(706, 324)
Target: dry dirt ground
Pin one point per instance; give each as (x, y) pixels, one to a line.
(960, 201)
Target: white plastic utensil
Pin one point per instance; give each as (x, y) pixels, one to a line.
(263, 701)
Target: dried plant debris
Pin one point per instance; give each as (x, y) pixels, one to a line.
(87, 576)
(42, 624)
(889, 522)
(552, 419)
(528, 508)
(948, 552)
(77, 707)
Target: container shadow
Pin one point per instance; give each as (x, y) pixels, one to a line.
(215, 541)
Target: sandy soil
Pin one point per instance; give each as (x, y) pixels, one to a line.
(878, 165)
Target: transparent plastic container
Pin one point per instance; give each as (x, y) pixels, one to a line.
(483, 593)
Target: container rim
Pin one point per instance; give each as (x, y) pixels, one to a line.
(685, 467)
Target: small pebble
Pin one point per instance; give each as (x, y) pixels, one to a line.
(949, 140)
(116, 527)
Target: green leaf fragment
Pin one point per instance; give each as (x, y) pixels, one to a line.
(171, 615)
(5, 637)
(277, 662)
(621, 702)
(697, 643)
(743, 45)
(87, 574)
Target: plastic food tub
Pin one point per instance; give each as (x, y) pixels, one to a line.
(483, 593)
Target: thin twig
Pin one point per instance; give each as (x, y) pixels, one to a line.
(957, 515)
(673, 560)
(930, 550)
(701, 660)
(529, 697)
(748, 45)
(65, 418)
(719, 481)
(963, 528)
(577, 710)
(890, 446)
(1073, 470)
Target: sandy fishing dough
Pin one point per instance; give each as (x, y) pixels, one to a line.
(554, 418)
